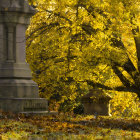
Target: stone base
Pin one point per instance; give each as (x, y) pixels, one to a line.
(40, 113)
(18, 105)
(18, 88)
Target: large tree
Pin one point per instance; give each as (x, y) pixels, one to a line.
(74, 45)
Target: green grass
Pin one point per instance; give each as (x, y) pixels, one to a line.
(69, 128)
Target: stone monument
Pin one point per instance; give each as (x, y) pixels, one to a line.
(96, 102)
(18, 93)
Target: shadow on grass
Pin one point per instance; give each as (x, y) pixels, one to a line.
(53, 121)
(112, 123)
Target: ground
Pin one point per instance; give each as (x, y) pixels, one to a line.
(68, 127)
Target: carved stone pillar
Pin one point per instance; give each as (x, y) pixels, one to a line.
(18, 93)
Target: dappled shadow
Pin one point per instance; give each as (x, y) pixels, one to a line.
(120, 123)
(107, 122)
(69, 124)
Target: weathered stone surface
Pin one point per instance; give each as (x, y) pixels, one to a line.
(18, 93)
(96, 102)
(23, 104)
(16, 5)
(19, 88)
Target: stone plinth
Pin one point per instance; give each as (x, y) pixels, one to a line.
(18, 93)
(96, 102)
(23, 104)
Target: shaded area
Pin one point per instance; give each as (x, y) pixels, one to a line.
(62, 123)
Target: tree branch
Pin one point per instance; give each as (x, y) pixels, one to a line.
(123, 79)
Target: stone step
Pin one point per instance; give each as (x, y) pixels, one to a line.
(23, 104)
(18, 88)
(44, 113)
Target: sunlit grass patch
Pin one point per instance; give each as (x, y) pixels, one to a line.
(66, 127)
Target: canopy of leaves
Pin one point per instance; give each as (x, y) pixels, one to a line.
(75, 45)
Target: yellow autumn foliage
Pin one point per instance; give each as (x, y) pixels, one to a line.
(125, 104)
(75, 41)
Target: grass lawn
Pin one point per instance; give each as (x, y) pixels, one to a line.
(65, 127)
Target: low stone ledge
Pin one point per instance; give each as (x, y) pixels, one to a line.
(42, 113)
(23, 104)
